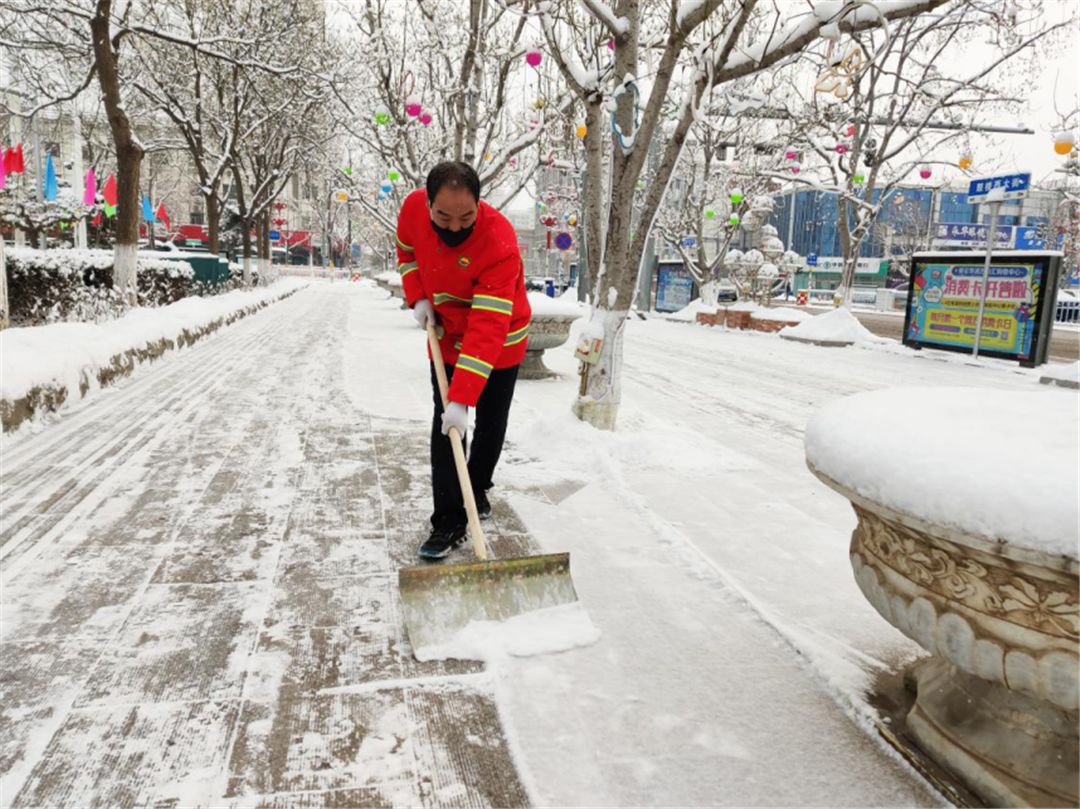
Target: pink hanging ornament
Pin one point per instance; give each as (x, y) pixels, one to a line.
(412, 106)
(425, 119)
(534, 58)
(924, 172)
(795, 168)
(851, 130)
(90, 191)
(611, 44)
(791, 154)
(841, 148)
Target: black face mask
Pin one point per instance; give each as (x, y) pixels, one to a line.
(452, 238)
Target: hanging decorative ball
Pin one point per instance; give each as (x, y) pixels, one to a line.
(386, 188)
(534, 58)
(965, 161)
(611, 44)
(924, 172)
(791, 154)
(736, 196)
(341, 196)
(425, 119)
(581, 131)
(539, 103)
(795, 168)
(393, 175)
(412, 106)
(382, 117)
(513, 162)
(347, 170)
(1064, 142)
(571, 220)
(487, 155)
(543, 207)
(841, 148)
(850, 131)
(858, 179)
(734, 220)
(709, 213)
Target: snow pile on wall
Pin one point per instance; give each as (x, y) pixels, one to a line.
(997, 464)
(783, 314)
(42, 367)
(839, 326)
(745, 306)
(72, 262)
(689, 312)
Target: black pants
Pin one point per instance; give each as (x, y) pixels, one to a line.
(492, 411)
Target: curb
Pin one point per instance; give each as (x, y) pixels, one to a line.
(51, 397)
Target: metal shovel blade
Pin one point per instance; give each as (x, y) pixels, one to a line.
(438, 601)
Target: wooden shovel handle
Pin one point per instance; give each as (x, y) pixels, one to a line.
(475, 531)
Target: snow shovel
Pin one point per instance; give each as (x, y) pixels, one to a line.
(440, 600)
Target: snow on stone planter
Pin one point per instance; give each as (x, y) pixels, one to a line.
(693, 312)
(837, 328)
(44, 367)
(967, 504)
(549, 328)
(772, 320)
(1067, 376)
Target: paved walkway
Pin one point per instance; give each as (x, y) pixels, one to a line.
(199, 608)
(199, 595)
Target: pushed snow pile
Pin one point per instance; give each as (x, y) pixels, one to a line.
(689, 312)
(1067, 374)
(555, 629)
(543, 305)
(390, 278)
(837, 326)
(783, 314)
(996, 464)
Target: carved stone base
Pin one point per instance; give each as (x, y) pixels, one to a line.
(1008, 748)
(532, 367)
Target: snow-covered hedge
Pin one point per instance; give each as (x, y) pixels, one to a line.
(44, 367)
(51, 286)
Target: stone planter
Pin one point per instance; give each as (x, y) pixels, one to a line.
(772, 326)
(545, 331)
(997, 701)
(711, 318)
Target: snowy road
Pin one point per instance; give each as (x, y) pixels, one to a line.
(199, 599)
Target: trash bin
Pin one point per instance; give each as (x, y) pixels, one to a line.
(549, 287)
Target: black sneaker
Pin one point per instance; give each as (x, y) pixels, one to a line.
(440, 543)
(483, 507)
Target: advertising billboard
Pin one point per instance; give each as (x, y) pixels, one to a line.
(674, 287)
(1021, 290)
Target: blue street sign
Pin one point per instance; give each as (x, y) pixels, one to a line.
(563, 241)
(274, 235)
(1027, 238)
(688, 241)
(1014, 186)
(811, 260)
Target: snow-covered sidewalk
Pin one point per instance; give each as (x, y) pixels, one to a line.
(199, 581)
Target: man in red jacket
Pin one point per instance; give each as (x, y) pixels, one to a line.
(461, 270)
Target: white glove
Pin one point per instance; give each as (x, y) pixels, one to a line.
(424, 313)
(455, 415)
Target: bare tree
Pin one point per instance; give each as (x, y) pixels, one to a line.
(689, 50)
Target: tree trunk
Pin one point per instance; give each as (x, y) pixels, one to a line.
(598, 403)
(129, 153)
(709, 292)
(850, 250)
(213, 223)
(246, 243)
(594, 194)
(4, 319)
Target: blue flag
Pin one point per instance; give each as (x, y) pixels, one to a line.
(51, 189)
(147, 211)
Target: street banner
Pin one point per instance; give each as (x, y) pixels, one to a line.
(965, 234)
(943, 304)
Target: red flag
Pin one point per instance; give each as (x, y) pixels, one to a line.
(163, 216)
(20, 167)
(96, 221)
(109, 191)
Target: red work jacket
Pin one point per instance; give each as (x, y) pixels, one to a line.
(477, 289)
